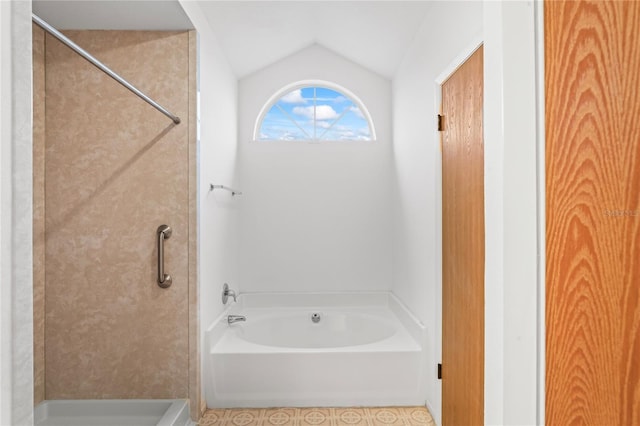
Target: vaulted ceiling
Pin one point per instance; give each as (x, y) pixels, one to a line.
(254, 34)
(374, 34)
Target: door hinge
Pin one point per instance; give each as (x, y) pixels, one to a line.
(440, 122)
(440, 371)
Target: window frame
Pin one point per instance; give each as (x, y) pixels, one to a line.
(313, 83)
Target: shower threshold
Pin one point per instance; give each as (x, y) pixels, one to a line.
(113, 412)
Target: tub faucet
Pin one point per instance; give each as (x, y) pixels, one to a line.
(226, 292)
(235, 318)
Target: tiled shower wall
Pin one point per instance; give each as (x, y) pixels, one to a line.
(114, 169)
(38, 213)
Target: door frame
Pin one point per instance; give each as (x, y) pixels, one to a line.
(514, 215)
(514, 313)
(541, 210)
(444, 75)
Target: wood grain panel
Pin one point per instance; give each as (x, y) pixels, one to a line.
(463, 246)
(592, 57)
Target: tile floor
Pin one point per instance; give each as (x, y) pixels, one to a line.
(378, 416)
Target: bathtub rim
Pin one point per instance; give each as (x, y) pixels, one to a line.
(416, 328)
(231, 341)
(377, 328)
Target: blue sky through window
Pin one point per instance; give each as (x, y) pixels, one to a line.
(314, 113)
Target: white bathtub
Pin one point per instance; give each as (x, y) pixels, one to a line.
(365, 350)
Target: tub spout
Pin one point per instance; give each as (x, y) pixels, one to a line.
(235, 318)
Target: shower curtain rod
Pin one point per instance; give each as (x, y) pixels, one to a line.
(79, 50)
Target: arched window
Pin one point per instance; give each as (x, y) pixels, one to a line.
(314, 111)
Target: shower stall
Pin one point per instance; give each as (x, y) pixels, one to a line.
(109, 170)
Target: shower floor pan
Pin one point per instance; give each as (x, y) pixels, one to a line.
(113, 412)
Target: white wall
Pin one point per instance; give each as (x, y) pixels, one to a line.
(514, 215)
(16, 284)
(5, 213)
(218, 212)
(315, 216)
(450, 29)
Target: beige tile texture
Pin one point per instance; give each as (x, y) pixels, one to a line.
(38, 213)
(379, 416)
(115, 170)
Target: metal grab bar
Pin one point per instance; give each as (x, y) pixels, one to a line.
(164, 233)
(80, 51)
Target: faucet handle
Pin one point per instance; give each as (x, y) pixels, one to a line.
(226, 292)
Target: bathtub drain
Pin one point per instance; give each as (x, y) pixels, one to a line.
(315, 317)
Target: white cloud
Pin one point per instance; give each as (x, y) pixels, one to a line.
(323, 112)
(346, 133)
(286, 136)
(294, 97)
(357, 111)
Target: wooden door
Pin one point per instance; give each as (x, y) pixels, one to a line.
(463, 246)
(115, 170)
(592, 91)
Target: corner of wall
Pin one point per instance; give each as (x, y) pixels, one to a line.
(16, 233)
(38, 212)
(217, 150)
(6, 314)
(511, 321)
(448, 30)
(195, 347)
